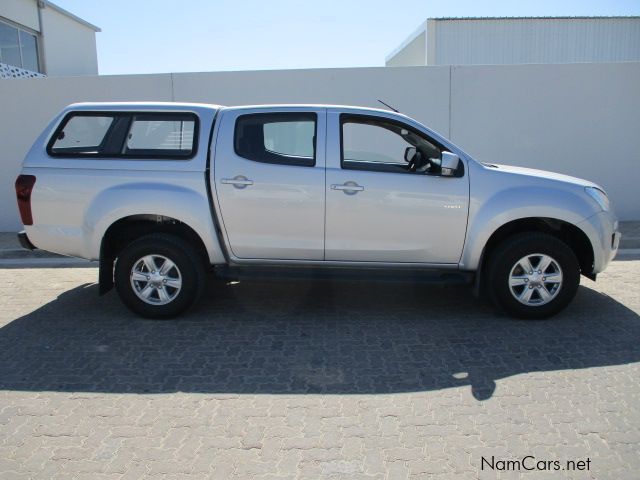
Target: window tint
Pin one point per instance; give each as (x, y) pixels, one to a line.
(282, 138)
(150, 134)
(289, 138)
(377, 144)
(83, 135)
(126, 135)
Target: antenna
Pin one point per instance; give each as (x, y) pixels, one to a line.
(389, 106)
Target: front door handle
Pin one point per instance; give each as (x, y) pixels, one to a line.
(239, 181)
(350, 188)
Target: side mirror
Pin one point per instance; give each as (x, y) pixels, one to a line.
(450, 164)
(409, 152)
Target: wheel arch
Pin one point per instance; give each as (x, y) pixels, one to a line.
(127, 229)
(565, 231)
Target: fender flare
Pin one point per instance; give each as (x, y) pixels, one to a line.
(186, 206)
(554, 204)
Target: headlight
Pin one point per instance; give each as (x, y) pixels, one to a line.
(599, 196)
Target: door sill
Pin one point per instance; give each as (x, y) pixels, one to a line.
(279, 263)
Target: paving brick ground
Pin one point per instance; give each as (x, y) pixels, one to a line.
(314, 380)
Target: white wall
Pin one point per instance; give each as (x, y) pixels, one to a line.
(69, 46)
(580, 119)
(506, 41)
(509, 41)
(24, 12)
(417, 91)
(28, 105)
(412, 54)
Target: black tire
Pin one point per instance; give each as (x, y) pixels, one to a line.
(190, 268)
(509, 252)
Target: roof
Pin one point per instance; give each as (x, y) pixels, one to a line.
(104, 106)
(181, 106)
(184, 105)
(71, 15)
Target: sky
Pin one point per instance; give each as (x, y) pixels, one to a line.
(159, 36)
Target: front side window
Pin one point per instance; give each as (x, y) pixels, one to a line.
(378, 144)
(126, 135)
(280, 138)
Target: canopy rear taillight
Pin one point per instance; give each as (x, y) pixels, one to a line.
(24, 187)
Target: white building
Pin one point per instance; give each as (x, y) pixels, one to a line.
(494, 41)
(38, 37)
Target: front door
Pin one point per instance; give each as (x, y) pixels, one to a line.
(269, 179)
(386, 203)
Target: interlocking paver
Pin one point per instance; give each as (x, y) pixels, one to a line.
(314, 380)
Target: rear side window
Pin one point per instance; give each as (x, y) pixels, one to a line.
(151, 134)
(83, 135)
(280, 138)
(126, 135)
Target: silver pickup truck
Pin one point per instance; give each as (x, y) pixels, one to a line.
(159, 193)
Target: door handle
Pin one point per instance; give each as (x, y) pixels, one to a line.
(239, 181)
(350, 188)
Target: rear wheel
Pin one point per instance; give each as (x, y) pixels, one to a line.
(533, 275)
(159, 276)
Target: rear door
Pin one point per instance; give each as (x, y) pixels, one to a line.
(269, 178)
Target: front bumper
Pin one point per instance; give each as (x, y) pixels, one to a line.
(24, 241)
(602, 230)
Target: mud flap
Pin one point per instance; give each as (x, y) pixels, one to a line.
(105, 275)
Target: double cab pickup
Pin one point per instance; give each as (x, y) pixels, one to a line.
(161, 193)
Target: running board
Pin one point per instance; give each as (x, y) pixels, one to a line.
(271, 273)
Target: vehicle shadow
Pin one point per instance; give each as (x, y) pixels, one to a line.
(307, 337)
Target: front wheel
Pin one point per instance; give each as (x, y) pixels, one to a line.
(533, 275)
(159, 276)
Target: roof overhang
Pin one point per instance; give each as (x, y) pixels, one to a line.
(53, 6)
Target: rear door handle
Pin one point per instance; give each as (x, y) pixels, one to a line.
(238, 181)
(350, 188)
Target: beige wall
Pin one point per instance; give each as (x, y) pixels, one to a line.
(578, 119)
(69, 46)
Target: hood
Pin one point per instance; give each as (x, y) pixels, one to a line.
(532, 172)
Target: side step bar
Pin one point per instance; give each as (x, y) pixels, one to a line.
(343, 274)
